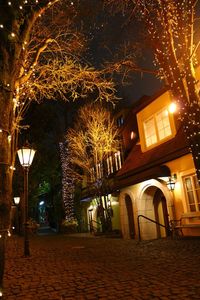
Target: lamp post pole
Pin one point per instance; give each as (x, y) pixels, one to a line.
(16, 201)
(26, 236)
(26, 155)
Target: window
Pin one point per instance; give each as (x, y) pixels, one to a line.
(157, 128)
(192, 189)
(163, 124)
(109, 164)
(99, 171)
(120, 121)
(118, 163)
(150, 132)
(92, 175)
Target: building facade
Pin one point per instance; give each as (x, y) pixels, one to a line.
(157, 182)
(152, 188)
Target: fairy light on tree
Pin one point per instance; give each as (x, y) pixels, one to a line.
(170, 28)
(67, 182)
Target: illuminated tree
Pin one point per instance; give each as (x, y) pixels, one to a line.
(67, 182)
(170, 28)
(40, 54)
(93, 138)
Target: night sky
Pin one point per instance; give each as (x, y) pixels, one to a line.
(106, 34)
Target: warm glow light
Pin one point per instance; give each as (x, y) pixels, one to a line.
(172, 107)
(133, 135)
(16, 200)
(26, 156)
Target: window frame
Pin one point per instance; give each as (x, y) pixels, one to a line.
(118, 160)
(109, 162)
(194, 190)
(154, 118)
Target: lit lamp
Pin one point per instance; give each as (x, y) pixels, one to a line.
(16, 200)
(171, 184)
(26, 155)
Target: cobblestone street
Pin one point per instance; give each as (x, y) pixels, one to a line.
(75, 267)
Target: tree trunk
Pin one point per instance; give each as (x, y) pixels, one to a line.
(192, 129)
(5, 175)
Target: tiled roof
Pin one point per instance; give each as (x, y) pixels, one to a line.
(138, 161)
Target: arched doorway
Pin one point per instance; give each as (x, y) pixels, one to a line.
(161, 214)
(129, 209)
(153, 208)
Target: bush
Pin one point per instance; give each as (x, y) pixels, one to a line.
(69, 226)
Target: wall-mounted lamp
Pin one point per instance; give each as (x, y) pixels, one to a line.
(171, 182)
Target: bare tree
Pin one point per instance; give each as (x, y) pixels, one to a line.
(170, 27)
(94, 138)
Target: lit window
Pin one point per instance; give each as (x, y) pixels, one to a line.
(99, 171)
(157, 127)
(163, 124)
(150, 132)
(118, 163)
(192, 189)
(109, 165)
(133, 135)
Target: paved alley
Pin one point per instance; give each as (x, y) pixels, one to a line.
(78, 267)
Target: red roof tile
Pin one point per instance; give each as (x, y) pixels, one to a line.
(137, 161)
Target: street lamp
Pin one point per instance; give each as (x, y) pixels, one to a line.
(26, 155)
(16, 201)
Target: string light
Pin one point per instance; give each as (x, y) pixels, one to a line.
(12, 168)
(67, 182)
(170, 30)
(7, 232)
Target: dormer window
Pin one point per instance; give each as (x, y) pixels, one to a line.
(157, 127)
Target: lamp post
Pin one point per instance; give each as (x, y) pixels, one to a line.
(26, 155)
(16, 201)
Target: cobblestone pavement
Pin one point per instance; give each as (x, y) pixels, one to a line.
(65, 267)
